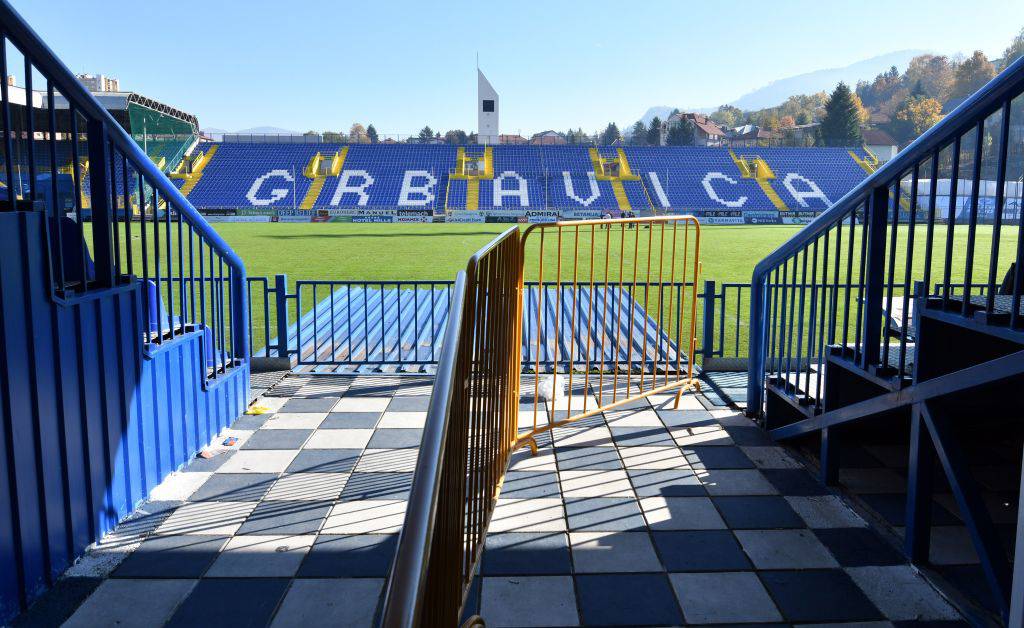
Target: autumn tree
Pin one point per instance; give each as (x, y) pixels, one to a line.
(1013, 52)
(914, 116)
(970, 75)
(357, 134)
(727, 116)
(930, 75)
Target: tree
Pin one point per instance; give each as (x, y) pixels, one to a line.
(680, 134)
(654, 132)
(610, 134)
(727, 116)
(863, 115)
(970, 75)
(333, 137)
(1013, 52)
(357, 134)
(930, 75)
(638, 136)
(456, 136)
(787, 122)
(371, 133)
(841, 124)
(914, 116)
(426, 134)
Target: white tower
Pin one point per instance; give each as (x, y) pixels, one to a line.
(487, 110)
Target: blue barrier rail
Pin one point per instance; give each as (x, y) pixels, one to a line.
(914, 219)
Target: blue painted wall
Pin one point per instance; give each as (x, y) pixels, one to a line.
(90, 421)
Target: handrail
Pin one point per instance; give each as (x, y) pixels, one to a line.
(16, 29)
(872, 196)
(403, 597)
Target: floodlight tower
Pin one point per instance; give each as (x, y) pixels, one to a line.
(487, 110)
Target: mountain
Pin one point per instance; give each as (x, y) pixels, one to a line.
(776, 92)
(662, 113)
(266, 130)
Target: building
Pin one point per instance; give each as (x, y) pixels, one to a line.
(880, 143)
(706, 131)
(487, 110)
(752, 135)
(99, 82)
(512, 139)
(548, 138)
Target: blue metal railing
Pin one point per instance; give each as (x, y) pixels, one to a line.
(830, 287)
(82, 167)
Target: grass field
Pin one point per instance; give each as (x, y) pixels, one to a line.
(420, 252)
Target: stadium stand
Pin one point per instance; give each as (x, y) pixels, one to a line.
(606, 179)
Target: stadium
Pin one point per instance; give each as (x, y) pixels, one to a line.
(689, 374)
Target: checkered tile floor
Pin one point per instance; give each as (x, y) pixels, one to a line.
(642, 516)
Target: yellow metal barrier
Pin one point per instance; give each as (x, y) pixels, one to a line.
(635, 349)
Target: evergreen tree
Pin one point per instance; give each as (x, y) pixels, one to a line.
(426, 134)
(372, 134)
(638, 137)
(841, 124)
(654, 133)
(680, 134)
(610, 134)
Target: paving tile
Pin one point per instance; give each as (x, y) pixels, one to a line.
(207, 518)
(418, 403)
(859, 547)
(208, 465)
(530, 484)
(295, 421)
(749, 435)
(613, 552)
(794, 482)
(324, 461)
(576, 458)
(179, 486)
(902, 594)
(171, 556)
(259, 461)
(407, 420)
(235, 487)
(379, 516)
(528, 515)
(785, 549)
(356, 403)
(719, 598)
(524, 460)
(836, 597)
(686, 418)
(257, 556)
(115, 603)
(526, 553)
(681, 513)
(396, 438)
(318, 404)
(699, 550)
(286, 518)
(378, 390)
(717, 458)
(878, 480)
(757, 512)
(631, 599)
(825, 511)
(575, 436)
(735, 482)
(277, 439)
(387, 460)
(349, 556)
(528, 601)
(641, 436)
(770, 457)
(351, 420)
(595, 483)
(598, 514)
(250, 421)
(307, 487)
(340, 439)
(657, 457)
(377, 486)
(666, 483)
(689, 437)
(645, 417)
(330, 602)
(230, 602)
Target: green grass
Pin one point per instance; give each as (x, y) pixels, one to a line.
(388, 252)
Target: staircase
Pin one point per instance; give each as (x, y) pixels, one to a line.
(319, 169)
(191, 169)
(908, 326)
(756, 168)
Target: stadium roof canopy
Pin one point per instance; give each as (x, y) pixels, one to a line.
(119, 101)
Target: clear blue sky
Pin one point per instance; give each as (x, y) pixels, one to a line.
(401, 64)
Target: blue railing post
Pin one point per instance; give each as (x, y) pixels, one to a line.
(873, 279)
(102, 220)
(708, 338)
(281, 310)
(756, 346)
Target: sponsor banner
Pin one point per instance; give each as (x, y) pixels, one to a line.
(585, 214)
(722, 220)
(287, 218)
(720, 213)
(219, 212)
(420, 219)
(506, 219)
(466, 217)
(540, 218)
(762, 220)
(256, 211)
(796, 220)
(238, 218)
(533, 214)
(337, 211)
(373, 219)
(415, 212)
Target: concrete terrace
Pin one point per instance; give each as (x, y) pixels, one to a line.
(641, 516)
